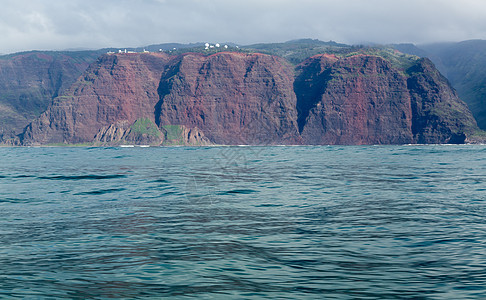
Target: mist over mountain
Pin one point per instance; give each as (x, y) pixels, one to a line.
(57, 24)
(464, 65)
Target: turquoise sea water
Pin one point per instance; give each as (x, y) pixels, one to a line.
(387, 222)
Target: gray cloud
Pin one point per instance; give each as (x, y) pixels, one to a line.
(59, 24)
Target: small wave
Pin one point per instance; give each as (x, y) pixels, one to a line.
(82, 177)
(268, 205)
(16, 200)
(170, 193)
(101, 192)
(231, 192)
(17, 176)
(161, 181)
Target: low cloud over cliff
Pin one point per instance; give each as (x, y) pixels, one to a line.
(56, 24)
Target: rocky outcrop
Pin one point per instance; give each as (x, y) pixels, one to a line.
(141, 132)
(180, 135)
(145, 132)
(254, 99)
(9, 140)
(116, 133)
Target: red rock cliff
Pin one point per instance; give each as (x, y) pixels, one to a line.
(117, 88)
(355, 100)
(236, 98)
(29, 81)
(233, 98)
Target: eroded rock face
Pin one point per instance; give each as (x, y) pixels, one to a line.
(352, 101)
(439, 116)
(145, 132)
(233, 98)
(115, 133)
(253, 99)
(363, 99)
(142, 132)
(29, 81)
(115, 88)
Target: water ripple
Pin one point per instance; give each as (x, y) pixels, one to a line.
(82, 177)
(394, 222)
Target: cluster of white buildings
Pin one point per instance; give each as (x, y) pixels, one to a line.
(208, 46)
(125, 51)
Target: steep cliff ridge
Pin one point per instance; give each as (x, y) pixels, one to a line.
(439, 116)
(234, 98)
(361, 99)
(367, 99)
(116, 88)
(464, 65)
(29, 81)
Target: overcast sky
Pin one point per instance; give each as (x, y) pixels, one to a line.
(64, 24)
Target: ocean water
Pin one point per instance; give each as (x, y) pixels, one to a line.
(368, 222)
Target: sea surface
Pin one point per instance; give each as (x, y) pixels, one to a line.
(330, 222)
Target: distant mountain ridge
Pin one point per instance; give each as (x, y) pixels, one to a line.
(30, 80)
(464, 64)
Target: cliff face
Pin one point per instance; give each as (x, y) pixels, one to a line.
(439, 116)
(464, 65)
(235, 98)
(115, 90)
(364, 99)
(29, 81)
(355, 100)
